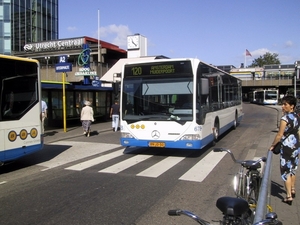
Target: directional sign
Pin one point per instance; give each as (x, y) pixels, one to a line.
(85, 72)
(63, 67)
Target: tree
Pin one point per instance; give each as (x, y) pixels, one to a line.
(266, 59)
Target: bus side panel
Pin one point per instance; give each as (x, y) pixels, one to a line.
(21, 137)
(13, 154)
(227, 118)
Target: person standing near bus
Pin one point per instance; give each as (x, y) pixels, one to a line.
(87, 117)
(44, 114)
(289, 152)
(115, 115)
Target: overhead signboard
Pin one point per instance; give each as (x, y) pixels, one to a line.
(72, 43)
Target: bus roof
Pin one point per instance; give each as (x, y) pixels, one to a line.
(18, 58)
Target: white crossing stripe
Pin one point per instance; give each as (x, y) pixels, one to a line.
(95, 161)
(125, 164)
(75, 151)
(161, 167)
(200, 171)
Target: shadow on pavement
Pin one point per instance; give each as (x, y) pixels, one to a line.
(277, 190)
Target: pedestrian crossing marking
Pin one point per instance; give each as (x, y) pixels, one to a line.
(161, 167)
(125, 164)
(200, 171)
(95, 161)
(75, 152)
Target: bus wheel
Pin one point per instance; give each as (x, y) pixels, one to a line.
(216, 132)
(235, 122)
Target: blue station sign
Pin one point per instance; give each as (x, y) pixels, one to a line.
(63, 67)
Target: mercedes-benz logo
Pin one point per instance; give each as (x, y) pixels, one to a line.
(155, 134)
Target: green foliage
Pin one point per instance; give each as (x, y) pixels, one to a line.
(266, 59)
(290, 91)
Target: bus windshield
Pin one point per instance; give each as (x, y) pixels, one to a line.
(18, 88)
(271, 95)
(155, 99)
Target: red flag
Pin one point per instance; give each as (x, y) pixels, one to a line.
(248, 53)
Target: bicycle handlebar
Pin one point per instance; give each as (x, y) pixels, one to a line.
(178, 212)
(264, 159)
(271, 218)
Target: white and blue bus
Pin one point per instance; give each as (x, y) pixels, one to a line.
(265, 97)
(177, 103)
(20, 109)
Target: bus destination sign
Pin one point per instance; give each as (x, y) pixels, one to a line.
(166, 68)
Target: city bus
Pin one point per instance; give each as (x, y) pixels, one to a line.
(20, 108)
(265, 97)
(252, 96)
(177, 103)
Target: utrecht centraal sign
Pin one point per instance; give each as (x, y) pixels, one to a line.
(54, 45)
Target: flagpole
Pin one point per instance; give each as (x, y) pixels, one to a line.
(245, 60)
(98, 36)
(99, 44)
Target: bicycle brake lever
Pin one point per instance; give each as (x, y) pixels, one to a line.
(174, 212)
(218, 149)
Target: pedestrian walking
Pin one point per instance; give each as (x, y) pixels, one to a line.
(115, 115)
(87, 117)
(44, 114)
(290, 147)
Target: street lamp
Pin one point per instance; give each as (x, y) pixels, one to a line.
(47, 59)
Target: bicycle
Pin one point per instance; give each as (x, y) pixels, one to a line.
(271, 218)
(247, 180)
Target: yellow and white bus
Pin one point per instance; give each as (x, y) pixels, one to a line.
(20, 108)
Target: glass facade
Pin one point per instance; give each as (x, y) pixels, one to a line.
(26, 21)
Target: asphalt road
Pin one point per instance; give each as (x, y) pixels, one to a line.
(96, 181)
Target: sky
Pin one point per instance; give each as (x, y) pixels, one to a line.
(217, 32)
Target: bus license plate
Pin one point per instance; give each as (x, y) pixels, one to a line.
(157, 144)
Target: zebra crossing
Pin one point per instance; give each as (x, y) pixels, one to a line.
(98, 154)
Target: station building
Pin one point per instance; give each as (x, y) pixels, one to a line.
(78, 88)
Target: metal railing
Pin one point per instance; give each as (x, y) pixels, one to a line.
(264, 191)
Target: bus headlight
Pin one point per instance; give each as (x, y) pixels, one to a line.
(126, 135)
(190, 137)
